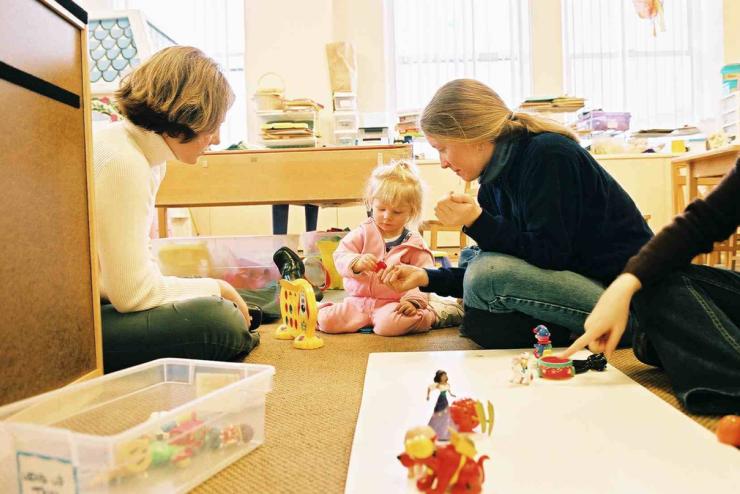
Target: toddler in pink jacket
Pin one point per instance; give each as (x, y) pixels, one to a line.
(394, 193)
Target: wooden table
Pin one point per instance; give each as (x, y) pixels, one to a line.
(706, 169)
(714, 163)
(323, 176)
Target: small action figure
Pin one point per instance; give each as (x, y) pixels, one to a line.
(522, 371)
(440, 420)
(543, 347)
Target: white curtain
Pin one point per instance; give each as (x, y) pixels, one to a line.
(436, 41)
(217, 28)
(666, 80)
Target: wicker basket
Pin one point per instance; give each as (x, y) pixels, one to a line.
(269, 97)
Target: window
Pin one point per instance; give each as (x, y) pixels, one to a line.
(217, 28)
(667, 80)
(436, 41)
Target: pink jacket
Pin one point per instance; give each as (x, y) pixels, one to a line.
(367, 239)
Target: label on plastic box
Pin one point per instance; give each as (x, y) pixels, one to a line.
(39, 474)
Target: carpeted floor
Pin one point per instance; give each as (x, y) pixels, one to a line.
(312, 409)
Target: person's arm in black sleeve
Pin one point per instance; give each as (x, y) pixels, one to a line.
(447, 282)
(545, 240)
(693, 232)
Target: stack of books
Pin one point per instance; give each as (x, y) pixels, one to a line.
(285, 130)
(302, 104)
(408, 124)
(552, 104)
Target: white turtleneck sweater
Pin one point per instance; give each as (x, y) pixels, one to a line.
(129, 165)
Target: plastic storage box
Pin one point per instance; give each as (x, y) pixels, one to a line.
(602, 120)
(245, 261)
(163, 426)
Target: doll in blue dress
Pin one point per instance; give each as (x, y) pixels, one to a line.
(440, 420)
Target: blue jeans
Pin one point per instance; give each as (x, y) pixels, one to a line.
(499, 283)
(692, 320)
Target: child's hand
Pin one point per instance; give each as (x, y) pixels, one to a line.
(406, 307)
(366, 262)
(457, 209)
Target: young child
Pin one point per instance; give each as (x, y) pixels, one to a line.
(394, 194)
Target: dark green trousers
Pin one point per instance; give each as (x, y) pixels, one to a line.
(206, 328)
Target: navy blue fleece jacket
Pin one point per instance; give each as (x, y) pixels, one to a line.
(547, 201)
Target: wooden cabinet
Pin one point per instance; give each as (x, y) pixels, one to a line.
(49, 299)
(647, 179)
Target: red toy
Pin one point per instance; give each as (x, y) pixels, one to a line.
(463, 414)
(552, 367)
(380, 265)
(451, 466)
(728, 430)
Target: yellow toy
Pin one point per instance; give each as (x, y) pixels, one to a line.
(298, 311)
(326, 248)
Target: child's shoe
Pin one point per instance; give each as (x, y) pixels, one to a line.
(449, 311)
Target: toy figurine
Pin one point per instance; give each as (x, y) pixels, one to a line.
(467, 414)
(522, 371)
(452, 466)
(440, 420)
(543, 347)
(552, 367)
(298, 310)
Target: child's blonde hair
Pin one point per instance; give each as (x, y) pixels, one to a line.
(466, 110)
(397, 183)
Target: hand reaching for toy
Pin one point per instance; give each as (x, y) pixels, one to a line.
(406, 307)
(457, 209)
(365, 262)
(608, 320)
(403, 277)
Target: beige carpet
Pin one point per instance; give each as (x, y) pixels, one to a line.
(311, 412)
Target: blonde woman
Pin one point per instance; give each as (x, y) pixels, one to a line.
(552, 226)
(174, 105)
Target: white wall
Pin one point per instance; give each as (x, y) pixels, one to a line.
(288, 37)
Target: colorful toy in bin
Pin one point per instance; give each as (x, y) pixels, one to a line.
(298, 311)
(326, 247)
(543, 347)
(185, 259)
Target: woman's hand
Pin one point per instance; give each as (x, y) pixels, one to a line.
(403, 277)
(607, 322)
(457, 209)
(365, 262)
(406, 307)
(229, 293)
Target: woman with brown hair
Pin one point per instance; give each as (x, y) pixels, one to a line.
(552, 226)
(174, 105)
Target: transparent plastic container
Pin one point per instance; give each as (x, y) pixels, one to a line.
(309, 240)
(163, 426)
(244, 261)
(602, 120)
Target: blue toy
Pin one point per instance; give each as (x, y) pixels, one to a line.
(543, 347)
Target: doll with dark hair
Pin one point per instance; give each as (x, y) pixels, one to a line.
(440, 420)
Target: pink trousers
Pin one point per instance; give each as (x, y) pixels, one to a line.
(359, 312)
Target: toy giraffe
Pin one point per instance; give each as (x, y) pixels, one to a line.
(298, 312)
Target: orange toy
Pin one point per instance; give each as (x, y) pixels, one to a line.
(728, 430)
